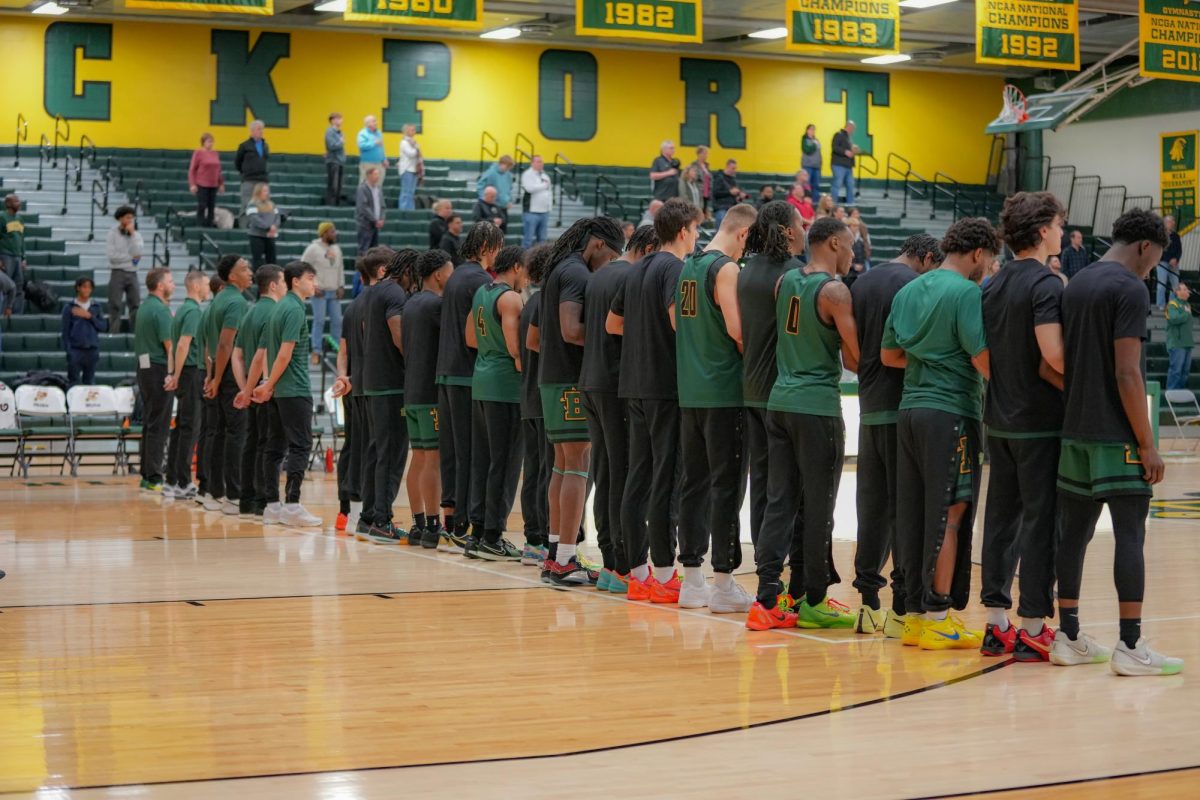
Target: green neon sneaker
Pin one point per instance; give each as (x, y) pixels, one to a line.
(829, 613)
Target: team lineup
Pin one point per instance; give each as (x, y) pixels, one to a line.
(670, 379)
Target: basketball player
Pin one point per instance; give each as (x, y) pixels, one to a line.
(229, 423)
(806, 437)
(879, 390)
(608, 424)
(155, 352)
(492, 332)
(643, 315)
(348, 388)
(188, 378)
(1023, 414)
(935, 331)
(455, 365)
(207, 407)
(708, 364)
(539, 453)
(1108, 453)
(558, 328)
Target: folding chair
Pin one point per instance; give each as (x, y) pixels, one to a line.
(10, 426)
(126, 400)
(94, 418)
(43, 405)
(1185, 401)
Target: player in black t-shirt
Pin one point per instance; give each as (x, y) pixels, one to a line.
(1108, 450)
(583, 248)
(879, 391)
(1022, 316)
(539, 453)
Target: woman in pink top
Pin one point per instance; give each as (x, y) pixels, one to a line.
(205, 180)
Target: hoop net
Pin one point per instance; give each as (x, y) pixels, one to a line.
(1014, 106)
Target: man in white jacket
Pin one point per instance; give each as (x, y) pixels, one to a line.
(540, 193)
(410, 167)
(124, 249)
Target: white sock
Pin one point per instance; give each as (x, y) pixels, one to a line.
(936, 616)
(565, 553)
(291, 506)
(663, 574)
(641, 572)
(554, 538)
(1032, 625)
(998, 617)
(693, 576)
(724, 580)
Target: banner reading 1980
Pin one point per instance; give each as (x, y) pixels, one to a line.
(1027, 33)
(662, 20)
(429, 13)
(218, 6)
(870, 27)
(1169, 31)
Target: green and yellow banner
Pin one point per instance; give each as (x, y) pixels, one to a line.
(1169, 31)
(1027, 33)
(266, 7)
(428, 13)
(869, 27)
(661, 20)
(1178, 180)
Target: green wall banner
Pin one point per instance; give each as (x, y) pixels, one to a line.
(221, 6)
(661, 20)
(428, 13)
(1178, 180)
(869, 27)
(1169, 31)
(1027, 33)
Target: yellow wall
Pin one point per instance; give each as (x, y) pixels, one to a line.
(163, 78)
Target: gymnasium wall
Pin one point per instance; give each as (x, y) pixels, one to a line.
(139, 84)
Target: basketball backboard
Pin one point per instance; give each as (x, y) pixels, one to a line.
(1046, 111)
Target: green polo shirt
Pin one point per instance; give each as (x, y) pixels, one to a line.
(225, 311)
(153, 327)
(251, 334)
(289, 323)
(187, 323)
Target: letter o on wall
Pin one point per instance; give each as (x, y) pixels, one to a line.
(567, 95)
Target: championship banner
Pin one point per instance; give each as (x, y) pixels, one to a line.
(1178, 180)
(429, 13)
(869, 27)
(662, 20)
(1027, 33)
(219, 6)
(1169, 31)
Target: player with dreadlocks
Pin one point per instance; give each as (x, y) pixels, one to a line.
(383, 386)
(583, 248)
(539, 453)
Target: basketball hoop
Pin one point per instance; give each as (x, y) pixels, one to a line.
(1014, 106)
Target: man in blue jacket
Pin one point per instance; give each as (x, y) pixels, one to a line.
(82, 323)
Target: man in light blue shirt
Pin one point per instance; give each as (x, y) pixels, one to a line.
(370, 149)
(500, 176)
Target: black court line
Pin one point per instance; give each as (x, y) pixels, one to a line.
(1052, 784)
(569, 753)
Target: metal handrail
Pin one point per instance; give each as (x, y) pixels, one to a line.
(862, 159)
(889, 169)
(86, 148)
(204, 239)
(101, 204)
(43, 157)
(564, 176)
(522, 139)
(155, 259)
(59, 122)
(66, 179)
(1071, 186)
(173, 218)
(487, 150)
(135, 199)
(604, 201)
(520, 164)
(616, 191)
(957, 195)
(22, 136)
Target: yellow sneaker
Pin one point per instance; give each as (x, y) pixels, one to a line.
(950, 634)
(868, 620)
(914, 626)
(893, 625)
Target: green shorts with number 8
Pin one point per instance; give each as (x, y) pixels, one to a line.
(422, 427)
(562, 411)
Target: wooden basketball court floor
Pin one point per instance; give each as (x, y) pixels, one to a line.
(149, 650)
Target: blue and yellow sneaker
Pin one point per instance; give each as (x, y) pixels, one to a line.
(949, 634)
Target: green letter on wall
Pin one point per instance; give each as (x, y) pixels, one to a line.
(561, 115)
(856, 87)
(63, 40)
(416, 71)
(244, 78)
(712, 89)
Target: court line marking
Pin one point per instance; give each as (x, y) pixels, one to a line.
(1067, 782)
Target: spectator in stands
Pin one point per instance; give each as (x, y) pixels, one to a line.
(325, 256)
(726, 193)
(442, 211)
(451, 239)
(627, 230)
(335, 160)
(1055, 265)
(1168, 268)
(368, 210)
(370, 149)
(842, 160)
(206, 181)
(839, 213)
(825, 206)
(664, 173)
(262, 224)
(705, 176)
(82, 323)
(864, 233)
(412, 168)
(251, 161)
(800, 200)
(124, 249)
(1180, 338)
(488, 208)
(499, 177)
(12, 252)
(690, 188)
(765, 195)
(810, 158)
(858, 260)
(1074, 255)
(651, 212)
(187, 380)
(802, 179)
(537, 202)
(155, 376)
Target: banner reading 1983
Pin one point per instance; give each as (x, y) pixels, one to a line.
(662, 20)
(1169, 31)
(430, 13)
(870, 27)
(217, 6)
(1027, 33)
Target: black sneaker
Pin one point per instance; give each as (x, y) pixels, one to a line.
(569, 574)
(500, 550)
(430, 537)
(363, 529)
(415, 536)
(2, 574)
(455, 539)
(387, 533)
(471, 547)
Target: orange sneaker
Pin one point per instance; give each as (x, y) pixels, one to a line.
(764, 619)
(665, 592)
(1034, 648)
(639, 590)
(342, 519)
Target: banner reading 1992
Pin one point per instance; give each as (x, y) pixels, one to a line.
(870, 27)
(1027, 33)
(429, 13)
(1169, 31)
(662, 20)
(217, 6)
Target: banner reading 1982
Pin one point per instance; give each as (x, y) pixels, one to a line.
(870, 27)
(218, 6)
(662, 20)
(1169, 31)
(1027, 33)
(429, 13)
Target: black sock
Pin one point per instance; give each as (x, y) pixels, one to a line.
(449, 522)
(1068, 619)
(898, 607)
(344, 506)
(1131, 631)
(871, 600)
(419, 521)
(814, 599)
(432, 522)
(491, 535)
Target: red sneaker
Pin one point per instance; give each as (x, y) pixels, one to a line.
(342, 519)
(665, 592)
(764, 619)
(1034, 648)
(997, 642)
(639, 590)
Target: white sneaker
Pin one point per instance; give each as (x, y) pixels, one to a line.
(229, 508)
(1084, 650)
(732, 599)
(694, 595)
(1141, 660)
(298, 516)
(272, 513)
(211, 503)
(168, 493)
(186, 492)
